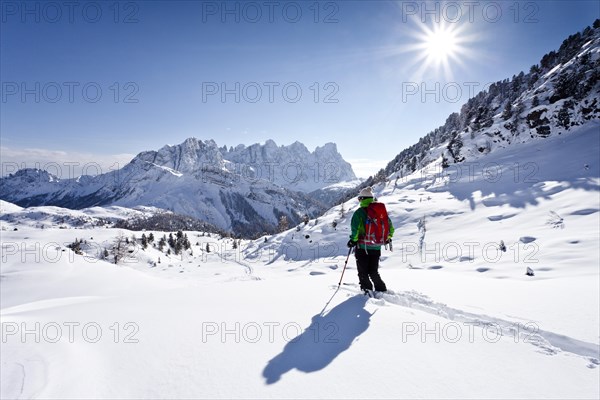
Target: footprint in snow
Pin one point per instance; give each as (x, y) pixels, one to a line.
(500, 217)
(527, 239)
(585, 211)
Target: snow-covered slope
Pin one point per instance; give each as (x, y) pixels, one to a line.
(497, 192)
(265, 318)
(6, 207)
(557, 95)
(64, 218)
(229, 189)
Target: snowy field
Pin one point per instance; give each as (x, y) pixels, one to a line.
(267, 319)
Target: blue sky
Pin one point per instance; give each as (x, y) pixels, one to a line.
(98, 82)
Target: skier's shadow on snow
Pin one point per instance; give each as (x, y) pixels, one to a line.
(326, 338)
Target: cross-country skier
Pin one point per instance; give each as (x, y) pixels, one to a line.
(371, 228)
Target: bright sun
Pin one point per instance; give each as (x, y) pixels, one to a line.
(438, 50)
(440, 45)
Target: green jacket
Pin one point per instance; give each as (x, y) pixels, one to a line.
(358, 224)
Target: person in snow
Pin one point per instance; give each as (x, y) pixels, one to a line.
(368, 245)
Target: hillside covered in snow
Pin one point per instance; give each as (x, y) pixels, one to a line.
(558, 94)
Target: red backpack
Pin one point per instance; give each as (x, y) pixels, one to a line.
(377, 225)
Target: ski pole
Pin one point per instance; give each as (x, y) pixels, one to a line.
(345, 264)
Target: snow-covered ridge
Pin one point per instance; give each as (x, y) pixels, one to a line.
(6, 207)
(44, 217)
(555, 97)
(293, 167)
(245, 190)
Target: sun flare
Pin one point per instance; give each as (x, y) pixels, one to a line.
(440, 45)
(437, 50)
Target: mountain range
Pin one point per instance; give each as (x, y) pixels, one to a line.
(246, 190)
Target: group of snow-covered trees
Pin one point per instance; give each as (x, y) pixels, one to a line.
(168, 222)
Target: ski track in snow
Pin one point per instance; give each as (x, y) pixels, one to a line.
(549, 342)
(248, 269)
(27, 380)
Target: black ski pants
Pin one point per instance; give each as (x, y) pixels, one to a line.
(367, 263)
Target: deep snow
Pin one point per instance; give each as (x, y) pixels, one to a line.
(267, 320)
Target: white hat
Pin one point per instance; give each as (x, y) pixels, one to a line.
(366, 192)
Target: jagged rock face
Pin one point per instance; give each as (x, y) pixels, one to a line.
(293, 167)
(229, 189)
(188, 157)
